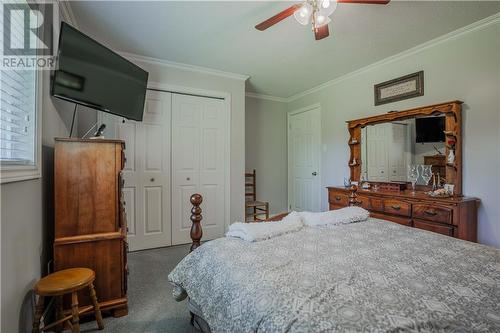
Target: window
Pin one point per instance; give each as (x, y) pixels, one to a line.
(19, 123)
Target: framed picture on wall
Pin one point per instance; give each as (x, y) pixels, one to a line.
(404, 87)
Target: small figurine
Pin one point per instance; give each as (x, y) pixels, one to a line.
(451, 157)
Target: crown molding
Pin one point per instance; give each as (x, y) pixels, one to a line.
(479, 25)
(178, 65)
(67, 12)
(266, 97)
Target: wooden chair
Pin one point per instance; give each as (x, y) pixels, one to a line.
(64, 282)
(254, 208)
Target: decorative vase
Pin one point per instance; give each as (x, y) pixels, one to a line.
(451, 157)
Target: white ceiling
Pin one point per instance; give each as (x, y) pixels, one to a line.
(283, 60)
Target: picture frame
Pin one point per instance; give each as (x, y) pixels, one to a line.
(405, 87)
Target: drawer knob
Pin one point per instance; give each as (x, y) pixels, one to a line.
(430, 212)
(396, 207)
(337, 198)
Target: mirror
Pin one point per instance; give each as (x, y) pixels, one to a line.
(388, 149)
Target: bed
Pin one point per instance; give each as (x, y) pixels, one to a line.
(371, 276)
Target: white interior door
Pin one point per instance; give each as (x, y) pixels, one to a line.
(147, 171)
(199, 139)
(304, 142)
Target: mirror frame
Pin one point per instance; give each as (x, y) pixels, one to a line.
(453, 129)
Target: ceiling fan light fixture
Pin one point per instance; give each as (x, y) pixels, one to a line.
(303, 14)
(320, 20)
(328, 10)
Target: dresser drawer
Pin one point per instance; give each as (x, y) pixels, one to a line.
(397, 207)
(395, 219)
(377, 204)
(364, 202)
(338, 198)
(334, 207)
(432, 213)
(434, 227)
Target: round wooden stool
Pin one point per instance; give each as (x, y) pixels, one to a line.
(65, 282)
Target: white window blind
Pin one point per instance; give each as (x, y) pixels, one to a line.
(18, 117)
(18, 95)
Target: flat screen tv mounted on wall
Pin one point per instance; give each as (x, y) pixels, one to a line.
(90, 74)
(430, 129)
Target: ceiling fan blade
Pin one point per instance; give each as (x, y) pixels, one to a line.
(277, 18)
(321, 32)
(367, 2)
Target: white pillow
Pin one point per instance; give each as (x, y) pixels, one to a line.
(292, 217)
(335, 217)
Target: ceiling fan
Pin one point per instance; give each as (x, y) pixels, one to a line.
(315, 12)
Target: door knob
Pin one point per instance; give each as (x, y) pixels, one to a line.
(314, 173)
(188, 178)
(152, 179)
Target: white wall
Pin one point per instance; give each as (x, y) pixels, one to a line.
(265, 146)
(466, 67)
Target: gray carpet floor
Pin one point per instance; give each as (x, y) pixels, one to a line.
(151, 306)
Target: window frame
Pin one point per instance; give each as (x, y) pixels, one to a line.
(14, 172)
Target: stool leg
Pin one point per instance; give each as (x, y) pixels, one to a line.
(74, 311)
(97, 310)
(38, 315)
(59, 313)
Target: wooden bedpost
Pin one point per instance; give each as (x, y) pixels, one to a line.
(353, 201)
(196, 231)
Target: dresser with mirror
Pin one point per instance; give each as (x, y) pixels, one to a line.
(408, 168)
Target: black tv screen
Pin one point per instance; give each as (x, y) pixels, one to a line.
(90, 74)
(430, 129)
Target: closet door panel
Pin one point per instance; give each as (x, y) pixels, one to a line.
(147, 171)
(198, 152)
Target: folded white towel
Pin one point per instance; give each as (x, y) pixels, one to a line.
(335, 217)
(254, 232)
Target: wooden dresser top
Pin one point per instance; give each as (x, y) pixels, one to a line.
(419, 195)
(89, 140)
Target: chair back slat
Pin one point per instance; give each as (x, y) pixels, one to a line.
(256, 208)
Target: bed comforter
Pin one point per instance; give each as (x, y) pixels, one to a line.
(372, 276)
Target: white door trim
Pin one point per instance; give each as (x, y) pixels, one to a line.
(289, 114)
(227, 107)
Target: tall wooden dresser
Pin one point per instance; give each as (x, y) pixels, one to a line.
(90, 223)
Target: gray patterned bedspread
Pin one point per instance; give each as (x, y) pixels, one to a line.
(373, 276)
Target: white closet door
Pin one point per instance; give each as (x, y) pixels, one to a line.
(147, 172)
(198, 164)
(303, 160)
